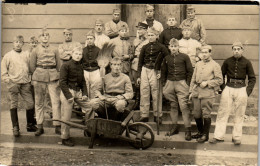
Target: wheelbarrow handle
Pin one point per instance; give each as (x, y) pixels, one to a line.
(71, 124)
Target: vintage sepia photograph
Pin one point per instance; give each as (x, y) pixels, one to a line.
(129, 84)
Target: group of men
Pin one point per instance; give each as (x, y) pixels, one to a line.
(177, 58)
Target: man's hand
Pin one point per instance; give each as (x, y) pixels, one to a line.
(85, 97)
(190, 96)
(203, 84)
(138, 81)
(102, 98)
(158, 76)
(120, 97)
(70, 100)
(126, 57)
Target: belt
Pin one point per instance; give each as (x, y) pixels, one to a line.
(236, 81)
(114, 94)
(47, 66)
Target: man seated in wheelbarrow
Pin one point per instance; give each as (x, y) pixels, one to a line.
(73, 87)
(117, 91)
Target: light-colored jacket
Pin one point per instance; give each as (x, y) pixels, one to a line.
(157, 25)
(111, 28)
(100, 40)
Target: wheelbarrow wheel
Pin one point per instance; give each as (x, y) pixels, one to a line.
(142, 134)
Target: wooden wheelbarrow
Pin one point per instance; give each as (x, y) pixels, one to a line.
(139, 135)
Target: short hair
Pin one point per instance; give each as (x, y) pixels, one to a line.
(67, 30)
(98, 21)
(19, 38)
(116, 59)
(153, 30)
(33, 39)
(174, 41)
(206, 47)
(77, 49)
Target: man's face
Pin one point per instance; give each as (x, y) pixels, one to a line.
(18, 44)
(171, 22)
(151, 37)
(122, 33)
(116, 16)
(141, 31)
(174, 48)
(76, 55)
(116, 67)
(45, 38)
(237, 51)
(68, 36)
(205, 54)
(98, 27)
(33, 44)
(149, 13)
(186, 33)
(191, 14)
(90, 40)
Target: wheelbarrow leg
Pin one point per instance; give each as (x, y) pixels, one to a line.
(93, 135)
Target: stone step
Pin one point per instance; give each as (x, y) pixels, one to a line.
(249, 142)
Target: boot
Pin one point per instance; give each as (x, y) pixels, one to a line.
(67, 142)
(30, 121)
(155, 120)
(15, 122)
(188, 134)
(205, 136)
(58, 130)
(39, 130)
(199, 123)
(174, 130)
(137, 99)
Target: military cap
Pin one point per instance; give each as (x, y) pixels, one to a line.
(239, 44)
(149, 7)
(206, 47)
(191, 8)
(174, 41)
(19, 38)
(33, 39)
(142, 25)
(123, 27)
(152, 30)
(44, 31)
(91, 33)
(186, 27)
(98, 21)
(116, 11)
(67, 30)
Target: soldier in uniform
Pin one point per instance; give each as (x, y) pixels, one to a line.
(139, 42)
(90, 65)
(149, 66)
(112, 27)
(235, 94)
(123, 49)
(172, 31)
(73, 89)
(198, 29)
(189, 46)
(206, 77)
(100, 37)
(45, 66)
(118, 89)
(15, 73)
(177, 70)
(150, 21)
(65, 49)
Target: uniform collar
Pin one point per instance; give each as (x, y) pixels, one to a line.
(45, 45)
(169, 27)
(91, 46)
(115, 75)
(152, 43)
(207, 60)
(116, 22)
(18, 51)
(75, 62)
(237, 58)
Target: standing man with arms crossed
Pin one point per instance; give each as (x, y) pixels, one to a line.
(235, 94)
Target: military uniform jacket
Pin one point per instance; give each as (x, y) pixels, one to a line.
(206, 71)
(72, 77)
(89, 59)
(65, 49)
(112, 28)
(138, 44)
(156, 24)
(151, 56)
(45, 55)
(168, 34)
